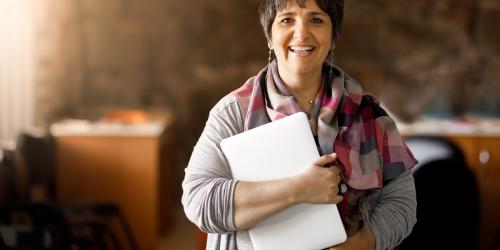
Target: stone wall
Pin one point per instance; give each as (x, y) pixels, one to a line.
(126, 53)
(436, 57)
(433, 56)
(429, 55)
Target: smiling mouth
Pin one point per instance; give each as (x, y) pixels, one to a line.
(301, 50)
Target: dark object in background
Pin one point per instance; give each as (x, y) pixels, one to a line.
(38, 156)
(32, 219)
(33, 226)
(447, 197)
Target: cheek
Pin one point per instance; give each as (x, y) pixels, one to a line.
(279, 44)
(273, 34)
(274, 38)
(326, 37)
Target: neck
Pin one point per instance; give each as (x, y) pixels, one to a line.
(303, 87)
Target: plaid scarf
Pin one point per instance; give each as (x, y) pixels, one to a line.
(370, 150)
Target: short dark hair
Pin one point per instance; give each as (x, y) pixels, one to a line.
(269, 8)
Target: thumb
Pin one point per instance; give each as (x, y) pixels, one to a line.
(325, 160)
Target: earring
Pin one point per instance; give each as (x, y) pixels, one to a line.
(332, 55)
(270, 53)
(270, 56)
(331, 60)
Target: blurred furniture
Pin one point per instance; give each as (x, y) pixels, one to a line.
(479, 140)
(34, 226)
(31, 218)
(130, 165)
(201, 239)
(447, 197)
(482, 153)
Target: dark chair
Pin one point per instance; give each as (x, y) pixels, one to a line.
(36, 226)
(6, 182)
(53, 225)
(447, 197)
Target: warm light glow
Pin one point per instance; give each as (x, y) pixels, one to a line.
(16, 67)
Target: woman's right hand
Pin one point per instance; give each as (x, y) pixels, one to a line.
(318, 183)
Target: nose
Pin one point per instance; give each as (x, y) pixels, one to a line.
(301, 31)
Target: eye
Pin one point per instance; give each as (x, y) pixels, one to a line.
(286, 20)
(316, 20)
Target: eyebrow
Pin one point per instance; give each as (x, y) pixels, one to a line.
(310, 13)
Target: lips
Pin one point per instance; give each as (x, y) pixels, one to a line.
(301, 50)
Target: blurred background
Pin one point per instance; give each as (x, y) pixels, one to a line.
(101, 102)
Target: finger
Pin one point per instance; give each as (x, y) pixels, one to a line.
(334, 162)
(334, 156)
(325, 159)
(335, 170)
(335, 190)
(340, 198)
(337, 179)
(337, 199)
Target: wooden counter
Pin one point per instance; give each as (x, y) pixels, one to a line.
(483, 157)
(131, 170)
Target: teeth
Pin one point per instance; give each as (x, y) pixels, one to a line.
(301, 49)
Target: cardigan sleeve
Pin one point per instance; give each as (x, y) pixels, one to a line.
(208, 187)
(393, 217)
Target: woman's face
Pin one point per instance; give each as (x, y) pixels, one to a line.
(301, 38)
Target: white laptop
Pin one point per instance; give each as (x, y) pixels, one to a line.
(276, 150)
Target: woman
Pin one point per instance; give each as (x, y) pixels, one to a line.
(352, 132)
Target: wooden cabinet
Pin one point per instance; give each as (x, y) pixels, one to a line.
(483, 156)
(131, 171)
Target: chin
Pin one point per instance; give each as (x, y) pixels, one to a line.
(302, 69)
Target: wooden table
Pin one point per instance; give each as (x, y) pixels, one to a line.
(131, 169)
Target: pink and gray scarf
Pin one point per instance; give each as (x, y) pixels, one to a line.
(369, 147)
